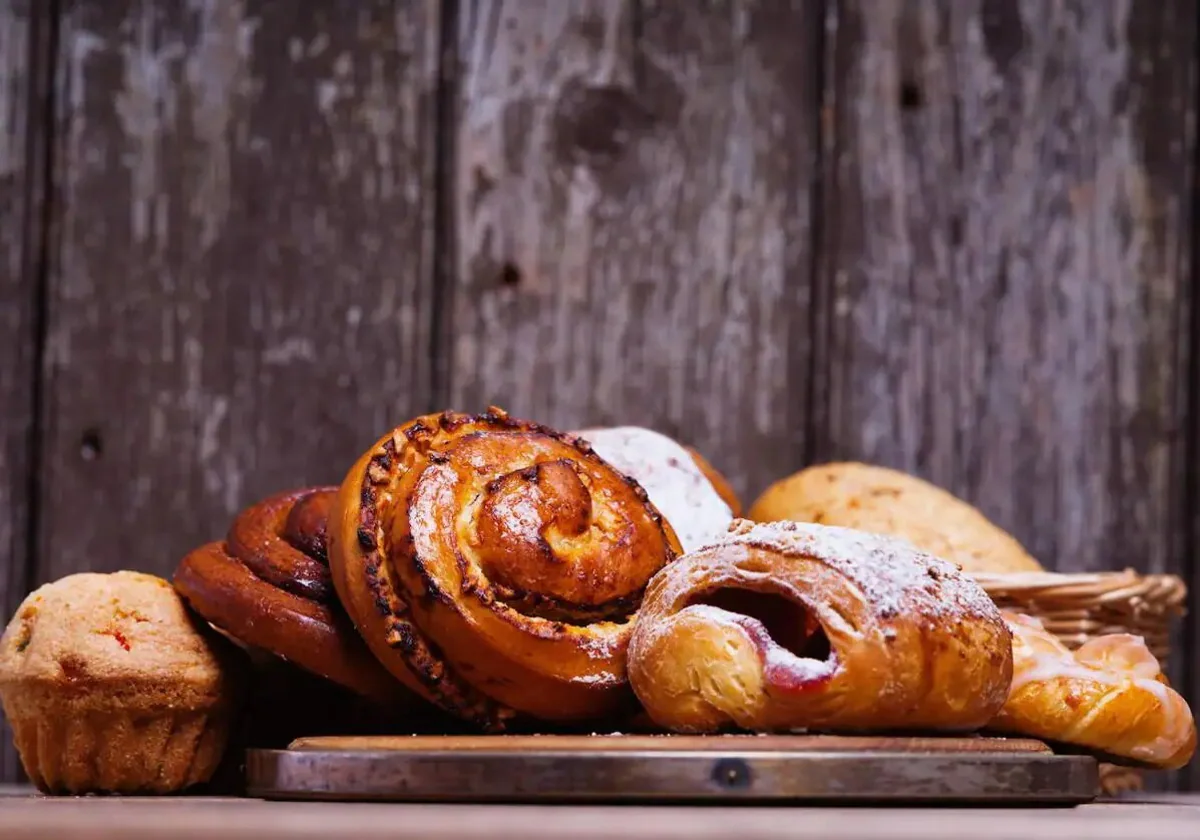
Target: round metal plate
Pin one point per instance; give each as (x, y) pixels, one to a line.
(713, 773)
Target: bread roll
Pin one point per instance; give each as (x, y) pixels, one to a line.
(886, 501)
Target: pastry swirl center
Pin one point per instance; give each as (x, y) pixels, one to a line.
(547, 531)
(530, 526)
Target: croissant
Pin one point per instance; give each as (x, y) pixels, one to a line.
(693, 496)
(494, 565)
(1109, 695)
(784, 626)
(267, 585)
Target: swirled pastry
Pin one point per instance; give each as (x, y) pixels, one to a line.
(267, 585)
(886, 501)
(494, 565)
(681, 484)
(1109, 695)
(785, 626)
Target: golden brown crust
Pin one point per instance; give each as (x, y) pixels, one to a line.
(885, 501)
(110, 685)
(1109, 695)
(494, 564)
(864, 633)
(267, 585)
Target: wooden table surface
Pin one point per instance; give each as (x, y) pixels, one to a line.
(27, 816)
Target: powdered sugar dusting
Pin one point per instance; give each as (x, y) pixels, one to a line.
(670, 477)
(890, 572)
(601, 646)
(601, 678)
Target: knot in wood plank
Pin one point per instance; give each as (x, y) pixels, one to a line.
(594, 124)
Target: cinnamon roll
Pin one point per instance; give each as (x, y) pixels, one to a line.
(786, 626)
(267, 586)
(494, 565)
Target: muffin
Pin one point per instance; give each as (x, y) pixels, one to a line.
(111, 686)
(885, 501)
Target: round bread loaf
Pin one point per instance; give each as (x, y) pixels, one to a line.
(886, 501)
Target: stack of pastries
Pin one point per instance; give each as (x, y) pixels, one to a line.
(485, 573)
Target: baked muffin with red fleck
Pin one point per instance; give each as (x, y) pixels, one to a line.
(111, 685)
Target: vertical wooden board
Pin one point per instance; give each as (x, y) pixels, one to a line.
(631, 211)
(18, 292)
(241, 285)
(1002, 276)
(23, 58)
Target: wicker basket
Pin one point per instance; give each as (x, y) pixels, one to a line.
(1078, 607)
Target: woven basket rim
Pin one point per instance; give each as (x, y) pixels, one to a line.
(1088, 589)
(1121, 577)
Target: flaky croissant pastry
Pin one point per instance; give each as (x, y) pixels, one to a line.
(1109, 695)
(494, 566)
(784, 625)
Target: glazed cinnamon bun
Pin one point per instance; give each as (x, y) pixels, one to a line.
(495, 566)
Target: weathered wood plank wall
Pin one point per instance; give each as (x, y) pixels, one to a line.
(633, 219)
(26, 40)
(1006, 236)
(241, 266)
(947, 236)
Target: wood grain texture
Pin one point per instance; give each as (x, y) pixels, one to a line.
(1002, 275)
(236, 304)
(25, 44)
(673, 770)
(668, 743)
(631, 212)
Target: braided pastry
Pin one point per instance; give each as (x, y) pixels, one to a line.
(494, 566)
(267, 585)
(786, 626)
(1109, 695)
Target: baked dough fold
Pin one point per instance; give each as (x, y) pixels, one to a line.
(784, 626)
